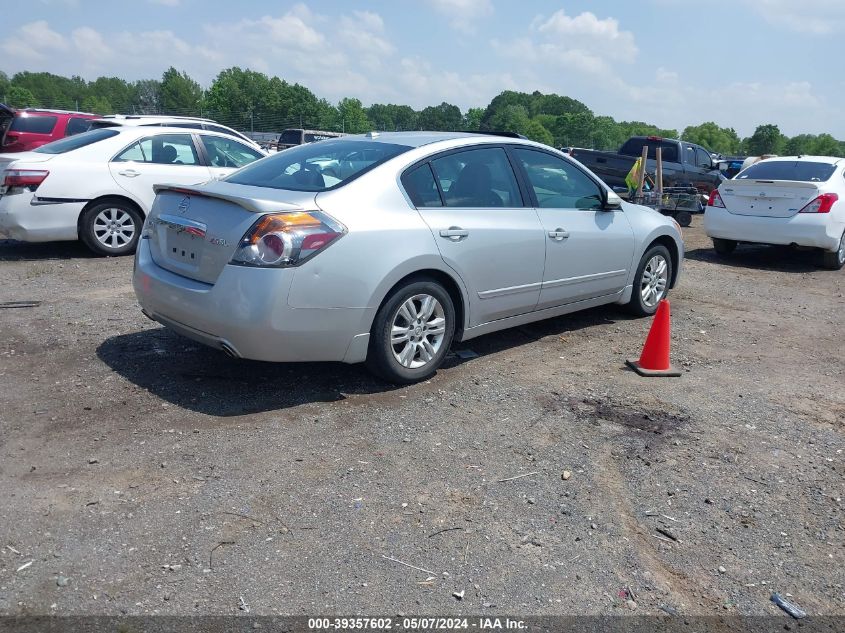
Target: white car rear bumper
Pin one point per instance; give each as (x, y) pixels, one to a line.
(24, 217)
(819, 230)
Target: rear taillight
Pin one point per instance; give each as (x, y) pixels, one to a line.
(287, 239)
(19, 178)
(822, 204)
(715, 200)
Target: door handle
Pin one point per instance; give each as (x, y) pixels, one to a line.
(454, 233)
(129, 173)
(558, 234)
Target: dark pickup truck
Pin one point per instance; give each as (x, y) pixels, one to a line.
(684, 164)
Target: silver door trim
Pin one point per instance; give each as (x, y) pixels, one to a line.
(554, 283)
(512, 290)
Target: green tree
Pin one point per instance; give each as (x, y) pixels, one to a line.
(146, 97)
(4, 85)
(353, 119)
(799, 144)
(391, 117)
(826, 145)
(96, 105)
(18, 97)
(472, 119)
(512, 118)
(179, 94)
(766, 139)
(53, 91)
(536, 132)
(713, 137)
(446, 117)
(119, 93)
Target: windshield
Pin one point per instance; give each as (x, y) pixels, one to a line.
(802, 171)
(75, 142)
(317, 166)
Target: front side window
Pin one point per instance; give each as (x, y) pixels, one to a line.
(76, 141)
(557, 183)
(317, 166)
(33, 124)
(164, 149)
(477, 178)
(76, 125)
(703, 159)
(225, 152)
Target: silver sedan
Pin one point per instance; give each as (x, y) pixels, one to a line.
(387, 248)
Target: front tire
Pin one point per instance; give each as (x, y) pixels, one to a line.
(651, 283)
(723, 247)
(836, 260)
(412, 332)
(111, 228)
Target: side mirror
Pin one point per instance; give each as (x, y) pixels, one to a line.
(612, 202)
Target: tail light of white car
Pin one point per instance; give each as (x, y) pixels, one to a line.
(279, 240)
(715, 200)
(823, 204)
(19, 179)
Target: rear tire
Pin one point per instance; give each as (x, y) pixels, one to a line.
(111, 228)
(836, 260)
(651, 283)
(723, 247)
(412, 332)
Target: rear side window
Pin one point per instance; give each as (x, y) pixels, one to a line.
(291, 137)
(71, 143)
(801, 171)
(478, 178)
(226, 152)
(164, 149)
(421, 187)
(34, 124)
(76, 125)
(317, 166)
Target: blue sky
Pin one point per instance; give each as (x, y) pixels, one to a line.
(669, 62)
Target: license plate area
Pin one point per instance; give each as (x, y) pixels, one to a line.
(184, 247)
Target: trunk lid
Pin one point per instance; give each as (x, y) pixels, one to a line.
(767, 198)
(195, 231)
(27, 158)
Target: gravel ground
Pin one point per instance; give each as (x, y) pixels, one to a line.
(141, 473)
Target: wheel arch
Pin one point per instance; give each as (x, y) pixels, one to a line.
(101, 199)
(448, 281)
(674, 254)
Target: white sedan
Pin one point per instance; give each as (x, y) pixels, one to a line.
(793, 200)
(98, 186)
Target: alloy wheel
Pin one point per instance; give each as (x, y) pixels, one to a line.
(114, 227)
(417, 331)
(654, 281)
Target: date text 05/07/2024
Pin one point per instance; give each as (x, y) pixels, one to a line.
(417, 624)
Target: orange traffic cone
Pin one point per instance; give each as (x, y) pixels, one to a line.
(654, 360)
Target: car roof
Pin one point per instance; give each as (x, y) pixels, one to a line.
(26, 111)
(140, 118)
(418, 139)
(830, 160)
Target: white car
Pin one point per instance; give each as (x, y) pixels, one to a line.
(98, 186)
(796, 201)
(155, 120)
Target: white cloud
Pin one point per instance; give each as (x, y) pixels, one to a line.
(34, 41)
(91, 44)
(463, 15)
(167, 3)
(821, 17)
(587, 31)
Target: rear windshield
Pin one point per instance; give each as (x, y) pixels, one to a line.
(317, 166)
(802, 171)
(634, 147)
(33, 124)
(71, 143)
